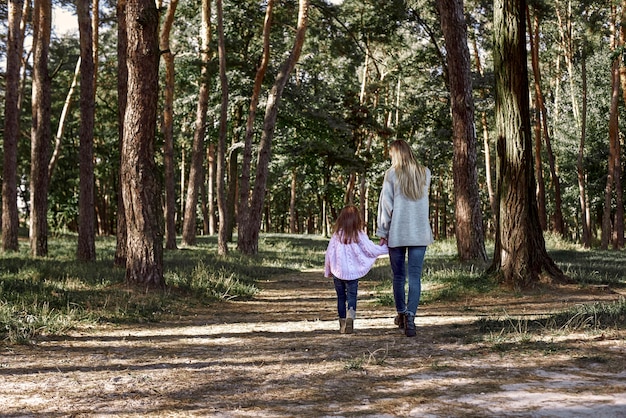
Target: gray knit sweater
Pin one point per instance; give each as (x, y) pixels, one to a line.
(401, 221)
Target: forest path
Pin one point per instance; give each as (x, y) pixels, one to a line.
(281, 355)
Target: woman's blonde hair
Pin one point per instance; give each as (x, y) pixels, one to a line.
(411, 174)
(349, 224)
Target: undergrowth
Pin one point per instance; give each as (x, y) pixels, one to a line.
(52, 295)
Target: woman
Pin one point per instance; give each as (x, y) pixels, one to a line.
(403, 224)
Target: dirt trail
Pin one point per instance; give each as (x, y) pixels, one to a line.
(280, 355)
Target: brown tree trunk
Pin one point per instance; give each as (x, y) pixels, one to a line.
(580, 168)
(249, 234)
(520, 255)
(86, 250)
(541, 186)
(210, 184)
(15, 46)
(56, 153)
(168, 128)
(144, 263)
(558, 224)
(607, 224)
(244, 184)
(292, 201)
(233, 170)
(222, 236)
(122, 93)
(95, 31)
(40, 133)
(619, 215)
(485, 129)
(197, 151)
(469, 227)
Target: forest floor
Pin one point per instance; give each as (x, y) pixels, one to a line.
(281, 355)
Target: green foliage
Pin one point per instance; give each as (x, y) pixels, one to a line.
(596, 316)
(55, 294)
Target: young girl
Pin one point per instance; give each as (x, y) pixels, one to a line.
(350, 255)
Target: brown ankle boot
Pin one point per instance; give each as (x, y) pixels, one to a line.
(409, 329)
(400, 320)
(342, 325)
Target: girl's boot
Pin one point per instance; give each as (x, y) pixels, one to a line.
(342, 325)
(409, 325)
(350, 321)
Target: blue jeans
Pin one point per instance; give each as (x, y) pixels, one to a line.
(346, 294)
(412, 269)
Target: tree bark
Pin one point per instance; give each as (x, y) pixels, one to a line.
(210, 180)
(168, 128)
(520, 256)
(95, 32)
(233, 169)
(580, 168)
(485, 129)
(144, 263)
(40, 133)
(249, 234)
(541, 185)
(244, 183)
(15, 46)
(222, 237)
(542, 131)
(61, 128)
(607, 224)
(197, 153)
(86, 250)
(469, 227)
(292, 201)
(122, 94)
(619, 216)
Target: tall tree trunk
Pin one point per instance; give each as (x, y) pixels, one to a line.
(244, 184)
(469, 227)
(210, 184)
(620, 198)
(40, 133)
(122, 94)
(15, 46)
(292, 201)
(520, 255)
(95, 31)
(144, 263)
(56, 153)
(580, 168)
(249, 241)
(558, 224)
(567, 43)
(607, 229)
(168, 128)
(541, 185)
(485, 129)
(197, 151)
(233, 169)
(222, 236)
(86, 250)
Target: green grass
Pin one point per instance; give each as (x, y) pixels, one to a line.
(42, 296)
(51, 295)
(594, 317)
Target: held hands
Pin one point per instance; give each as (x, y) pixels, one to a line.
(383, 241)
